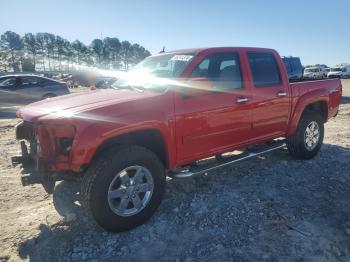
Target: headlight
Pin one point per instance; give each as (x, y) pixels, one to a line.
(55, 139)
(64, 135)
(64, 145)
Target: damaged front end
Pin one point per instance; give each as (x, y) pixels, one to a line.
(45, 152)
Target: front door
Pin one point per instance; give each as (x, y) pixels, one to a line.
(216, 120)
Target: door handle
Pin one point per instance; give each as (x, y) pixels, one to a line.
(242, 100)
(281, 94)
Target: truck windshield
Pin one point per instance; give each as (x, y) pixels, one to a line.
(336, 69)
(152, 72)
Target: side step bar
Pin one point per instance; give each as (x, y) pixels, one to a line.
(229, 160)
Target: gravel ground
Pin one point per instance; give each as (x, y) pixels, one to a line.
(272, 208)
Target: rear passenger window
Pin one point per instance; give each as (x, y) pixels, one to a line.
(29, 81)
(44, 81)
(264, 69)
(223, 69)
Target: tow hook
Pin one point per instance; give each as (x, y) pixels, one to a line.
(24, 159)
(36, 177)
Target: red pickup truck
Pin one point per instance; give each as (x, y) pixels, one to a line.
(172, 110)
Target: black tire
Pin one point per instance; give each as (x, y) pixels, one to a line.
(95, 185)
(296, 143)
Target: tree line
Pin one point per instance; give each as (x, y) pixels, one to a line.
(49, 52)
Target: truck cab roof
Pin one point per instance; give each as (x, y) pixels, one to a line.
(218, 49)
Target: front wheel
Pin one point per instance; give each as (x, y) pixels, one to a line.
(123, 188)
(308, 139)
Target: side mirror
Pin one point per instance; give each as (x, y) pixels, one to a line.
(197, 87)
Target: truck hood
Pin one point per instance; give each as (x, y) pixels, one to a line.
(67, 105)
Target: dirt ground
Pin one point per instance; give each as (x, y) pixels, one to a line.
(273, 208)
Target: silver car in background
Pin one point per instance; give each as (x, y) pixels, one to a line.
(18, 90)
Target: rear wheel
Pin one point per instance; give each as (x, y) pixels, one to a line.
(308, 139)
(123, 188)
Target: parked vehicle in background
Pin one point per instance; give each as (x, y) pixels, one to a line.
(73, 81)
(322, 66)
(25, 88)
(342, 71)
(294, 67)
(326, 71)
(105, 82)
(168, 113)
(88, 78)
(80, 79)
(313, 73)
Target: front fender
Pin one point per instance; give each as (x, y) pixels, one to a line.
(86, 145)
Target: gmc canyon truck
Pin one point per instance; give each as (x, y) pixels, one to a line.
(162, 118)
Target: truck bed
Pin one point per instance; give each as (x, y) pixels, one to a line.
(326, 88)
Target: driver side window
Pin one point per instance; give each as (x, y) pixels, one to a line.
(223, 69)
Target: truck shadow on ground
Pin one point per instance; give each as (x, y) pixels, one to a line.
(280, 206)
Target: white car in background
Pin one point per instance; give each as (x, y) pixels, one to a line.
(326, 71)
(342, 71)
(313, 72)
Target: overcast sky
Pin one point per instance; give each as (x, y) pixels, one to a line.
(317, 31)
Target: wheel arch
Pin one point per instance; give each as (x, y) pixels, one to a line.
(150, 138)
(320, 106)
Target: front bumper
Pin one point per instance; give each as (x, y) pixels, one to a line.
(44, 155)
(33, 169)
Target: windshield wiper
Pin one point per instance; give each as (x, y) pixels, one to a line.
(131, 87)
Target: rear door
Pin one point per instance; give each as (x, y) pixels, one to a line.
(270, 108)
(216, 120)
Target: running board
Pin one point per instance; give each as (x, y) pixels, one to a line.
(230, 160)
